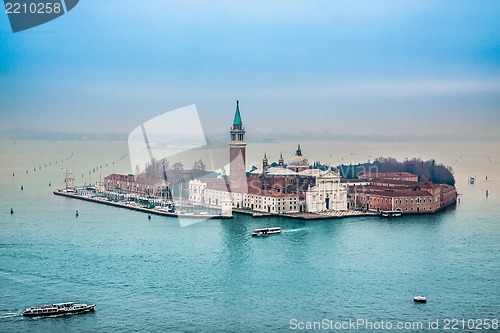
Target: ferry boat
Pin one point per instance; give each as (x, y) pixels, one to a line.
(58, 309)
(420, 299)
(266, 231)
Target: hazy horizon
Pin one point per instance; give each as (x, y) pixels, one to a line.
(20, 134)
(345, 68)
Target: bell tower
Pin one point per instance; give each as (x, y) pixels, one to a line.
(265, 163)
(237, 150)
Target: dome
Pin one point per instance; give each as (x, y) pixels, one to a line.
(298, 160)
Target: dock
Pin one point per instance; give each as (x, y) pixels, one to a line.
(253, 213)
(121, 204)
(329, 215)
(309, 216)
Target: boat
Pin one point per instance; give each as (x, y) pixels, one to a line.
(266, 231)
(419, 299)
(58, 309)
(257, 215)
(393, 213)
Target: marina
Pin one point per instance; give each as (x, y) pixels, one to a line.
(132, 205)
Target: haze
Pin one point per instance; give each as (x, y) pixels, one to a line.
(422, 68)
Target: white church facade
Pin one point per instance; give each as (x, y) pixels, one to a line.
(327, 195)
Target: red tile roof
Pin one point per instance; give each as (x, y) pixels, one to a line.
(386, 175)
(220, 185)
(395, 192)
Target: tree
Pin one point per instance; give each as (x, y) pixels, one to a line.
(178, 166)
(425, 170)
(166, 164)
(199, 165)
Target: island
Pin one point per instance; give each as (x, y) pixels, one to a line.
(294, 188)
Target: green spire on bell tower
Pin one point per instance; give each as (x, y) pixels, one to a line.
(237, 116)
(237, 130)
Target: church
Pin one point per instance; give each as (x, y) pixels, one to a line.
(277, 188)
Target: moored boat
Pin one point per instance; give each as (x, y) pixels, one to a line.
(266, 231)
(393, 213)
(420, 299)
(58, 309)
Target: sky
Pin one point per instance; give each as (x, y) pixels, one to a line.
(348, 68)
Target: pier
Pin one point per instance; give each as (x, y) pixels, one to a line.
(308, 216)
(329, 215)
(131, 206)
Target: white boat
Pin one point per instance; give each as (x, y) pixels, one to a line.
(393, 213)
(420, 299)
(58, 309)
(266, 231)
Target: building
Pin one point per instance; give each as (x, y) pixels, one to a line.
(237, 151)
(406, 196)
(142, 184)
(282, 188)
(298, 162)
(70, 181)
(328, 193)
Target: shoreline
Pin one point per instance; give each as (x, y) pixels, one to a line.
(253, 213)
(140, 209)
(305, 215)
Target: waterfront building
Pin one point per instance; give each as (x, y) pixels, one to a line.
(328, 193)
(284, 188)
(141, 184)
(405, 196)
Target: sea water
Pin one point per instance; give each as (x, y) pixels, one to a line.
(154, 275)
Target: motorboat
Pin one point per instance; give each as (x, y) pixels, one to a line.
(420, 299)
(266, 231)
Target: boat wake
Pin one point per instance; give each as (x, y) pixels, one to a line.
(10, 315)
(293, 230)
